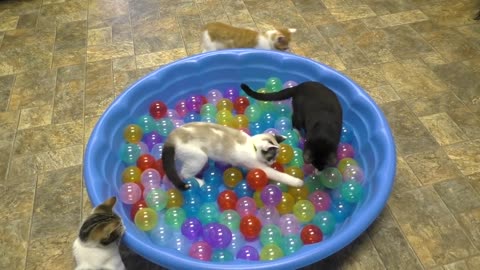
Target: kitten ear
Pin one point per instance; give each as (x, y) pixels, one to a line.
(106, 206)
(110, 202)
(292, 30)
(280, 138)
(307, 156)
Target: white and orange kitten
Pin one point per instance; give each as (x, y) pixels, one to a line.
(218, 36)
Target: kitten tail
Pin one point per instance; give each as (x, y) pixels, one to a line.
(275, 96)
(168, 159)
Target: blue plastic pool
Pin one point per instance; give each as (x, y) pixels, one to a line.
(197, 74)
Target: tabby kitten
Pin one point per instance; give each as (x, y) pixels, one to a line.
(96, 246)
(194, 143)
(218, 36)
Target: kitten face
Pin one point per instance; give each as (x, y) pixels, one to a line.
(280, 38)
(267, 147)
(103, 226)
(319, 153)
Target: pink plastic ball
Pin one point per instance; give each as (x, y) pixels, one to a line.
(201, 250)
(308, 169)
(149, 187)
(289, 224)
(181, 108)
(172, 114)
(151, 176)
(166, 183)
(213, 96)
(320, 200)
(289, 84)
(345, 150)
(268, 215)
(130, 193)
(143, 148)
(246, 206)
(354, 173)
(178, 123)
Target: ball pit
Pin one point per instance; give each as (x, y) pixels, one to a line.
(113, 152)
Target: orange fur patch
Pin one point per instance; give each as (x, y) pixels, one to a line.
(232, 37)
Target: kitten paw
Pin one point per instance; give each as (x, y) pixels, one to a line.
(200, 181)
(297, 183)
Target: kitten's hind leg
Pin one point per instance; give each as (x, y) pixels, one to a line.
(193, 164)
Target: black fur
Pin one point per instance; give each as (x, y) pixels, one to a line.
(168, 159)
(317, 111)
(98, 220)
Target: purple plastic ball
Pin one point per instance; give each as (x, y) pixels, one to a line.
(354, 173)
(194, 103)
(152, 138)
(248, 253)
(178, 123)
(231, 93)
(345, 150)
(272, 131)
(143, 148)
(268, 215)
(172, 114)
(217, 235)
(192, 228)
(213, 96)
(271, 195)
(289, 224)
(289, 84)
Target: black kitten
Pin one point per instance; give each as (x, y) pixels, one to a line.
(316, 111)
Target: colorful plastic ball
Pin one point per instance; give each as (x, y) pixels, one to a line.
(351, 191)
(137, 206)
(256, 127)
(231, 219)
(208, 212)
(295, 172)
(274, 84)
(222, 255)
(346, 134)
(217, 235)
(285, 154)
(201, 250)
(257, 179)
(242, 190)
(271, 195)
(331, 177)
(283, 124)
(181, 108)
(320, 200)
(208, 109)
(304, 211)
(258, 199)
(298, 193)
(129, 153)
(286, 204)
(165, 126)
(313, 183)
(289, 224)
(270, 234)
(151, 139)
(345, 150)
(231, 177)
(172, 114)
(224, 104)
(175, 217)
(133, 133)
(159, 167)
(149, 187)
(194, 103)
(240, 121)
(297, 160)
(291, 244)
(226, 200)
(209, 193)
(268, 215)
(212, 176)
(130, 193)
(283, 187)
(131, 174)
(268, 120)
(161, 235)
(146, 123)
(271, 252)
(341, 209)
(150, 176)
(248, 253)
(146, 219)
(213, 96)
(308, 169)
(272, 131)
(194, 185)
(192, 117)
(158, 109)
(293, 138)
(191, 205)
(343, 164)
(289, 84)
(192, 228)
(246, 206)
(240, 104)
(253, 112)
(311, 234)
(353, 173)
(250, 227)
(175, 198)
(157, 199)
(180, 243)
(283, 110)
(145, 161)
(231, 93)
(157, 150)
(144, 148)
(208, 119)
(325, 221)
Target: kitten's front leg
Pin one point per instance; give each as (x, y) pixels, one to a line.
(282, 177)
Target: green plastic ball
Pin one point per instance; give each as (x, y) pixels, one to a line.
(147, 123)
(175, 217)
(208, 109)
(157, 199)
(291, 243)
(283, 187)
(314, 183)
(304, 211)
(253, 112)
(274, 84)
(129, 153)
(271, 252)
(271, 234)
(331, 177)
(351, 191)
(208, 213)
(222, 255)
(231, 219)
(325, 221)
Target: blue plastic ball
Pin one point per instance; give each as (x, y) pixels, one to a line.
(341, 209)
(256, 128)
(192, 117)
(213, 176)
(268, 120)
(242, 190)
(209, 193)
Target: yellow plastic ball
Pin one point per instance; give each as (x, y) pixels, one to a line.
(231, 177)
(286, 204)
(225, 104)
(240, 121)
(299, 193)
(131, 174)
(258, 199)
(295, 172)
(146, 219)
(133, 133)
(285, 154)
(175, 198)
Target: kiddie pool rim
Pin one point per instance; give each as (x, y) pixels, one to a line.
(290, 262)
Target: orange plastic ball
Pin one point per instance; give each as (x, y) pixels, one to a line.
(295, 172)
(299, 193)
(286, 204)
(131, 174)
(225, 104)
(257, 179)
(285, 154)
(231, 177)
(133, 133)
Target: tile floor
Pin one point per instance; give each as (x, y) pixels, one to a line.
(63, 61)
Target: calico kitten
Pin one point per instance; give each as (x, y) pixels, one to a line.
(217, 36)
(97, 244)
(194, 143)
(316, 111)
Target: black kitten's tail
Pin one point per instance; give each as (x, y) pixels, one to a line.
(168, 159)
(276, 96)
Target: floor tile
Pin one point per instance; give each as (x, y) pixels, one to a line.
(466, 156)
(443, 128)
(438, 103)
